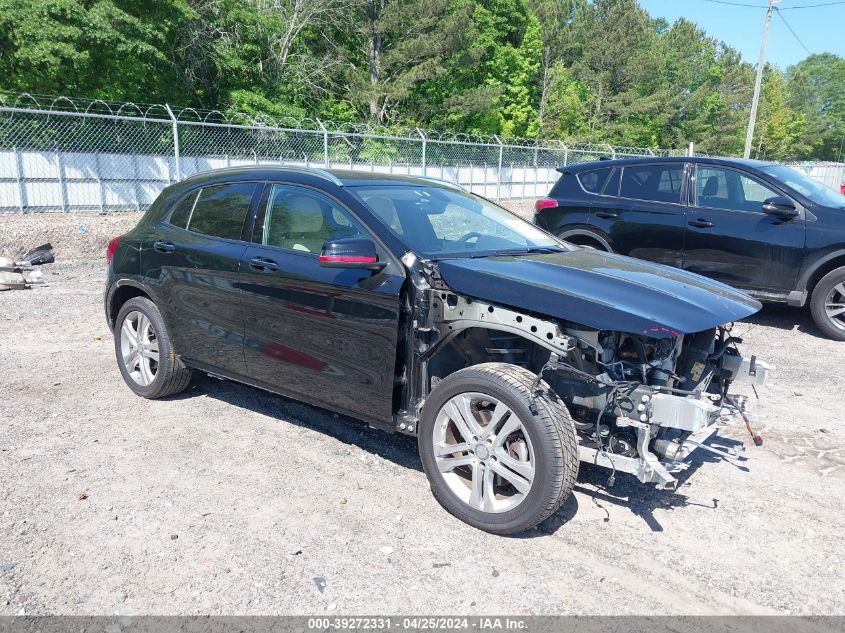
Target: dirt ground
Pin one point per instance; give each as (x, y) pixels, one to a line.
(230, 500)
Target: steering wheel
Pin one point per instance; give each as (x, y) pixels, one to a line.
(466, 237)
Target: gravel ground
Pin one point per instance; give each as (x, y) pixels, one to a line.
(229, 500)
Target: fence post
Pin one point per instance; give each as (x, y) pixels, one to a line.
(499, 172)
(62, 183)
(424, 143)
(565, 155)
(612, 151)
(18, 172)
(175, 142)
(325, 143)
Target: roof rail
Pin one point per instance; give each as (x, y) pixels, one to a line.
(447, 183)
(314, 171)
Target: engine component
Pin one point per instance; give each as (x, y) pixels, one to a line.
(623, 443)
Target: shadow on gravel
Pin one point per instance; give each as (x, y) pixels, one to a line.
(397, 448)
(782, 317)
(640, 499)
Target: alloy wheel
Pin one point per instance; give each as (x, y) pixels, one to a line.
(834, 305)
(483, 452)
(139, 348)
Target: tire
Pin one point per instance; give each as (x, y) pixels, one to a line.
(544, 448)
(151, 378)
(830, 291)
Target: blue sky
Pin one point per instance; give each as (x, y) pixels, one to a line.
(821, 29)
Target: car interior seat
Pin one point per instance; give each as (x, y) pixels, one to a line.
(297, 222)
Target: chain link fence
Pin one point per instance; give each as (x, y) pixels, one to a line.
(62, 155)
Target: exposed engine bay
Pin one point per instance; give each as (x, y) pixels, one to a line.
(641, 404)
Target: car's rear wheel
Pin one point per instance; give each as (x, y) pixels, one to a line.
(827, 304)
(145, 355)
(496, 457)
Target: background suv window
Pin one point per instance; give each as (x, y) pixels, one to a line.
(220, 210)
(301, 220)
(657, 183)
(721, 188)
(594, 180)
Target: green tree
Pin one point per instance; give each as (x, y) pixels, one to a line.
(816, 89)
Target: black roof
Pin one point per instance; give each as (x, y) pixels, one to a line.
(640, 160)
(338, 177)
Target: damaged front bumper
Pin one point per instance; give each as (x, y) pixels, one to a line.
(694, 417)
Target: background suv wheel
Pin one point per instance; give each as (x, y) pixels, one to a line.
(827, 304)
(496, 458)
(144, 352)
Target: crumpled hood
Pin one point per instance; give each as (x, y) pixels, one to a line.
(601, 290)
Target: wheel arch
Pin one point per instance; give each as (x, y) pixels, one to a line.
(810, 278)
(122, 291)
(582, 236)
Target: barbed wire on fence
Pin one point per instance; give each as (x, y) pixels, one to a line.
(62, 154)
(155, 112)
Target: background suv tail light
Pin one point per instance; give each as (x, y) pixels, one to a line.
(112, 247)
(544, 203)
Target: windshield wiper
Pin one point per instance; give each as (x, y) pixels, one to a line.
(527, 251)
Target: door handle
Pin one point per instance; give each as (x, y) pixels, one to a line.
(701, 224)
(607, 215)
(164, 247)
(263, 265)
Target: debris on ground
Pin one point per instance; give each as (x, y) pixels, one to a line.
(39, 255)
(20, 275)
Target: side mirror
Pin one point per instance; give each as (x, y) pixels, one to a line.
(351, 252)
(781, 207)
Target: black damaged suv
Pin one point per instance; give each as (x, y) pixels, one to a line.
(423, 309)
(761, 227)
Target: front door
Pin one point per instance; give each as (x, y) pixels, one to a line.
(193, 264)
(731, 239)
(642, 211)
(324, 335)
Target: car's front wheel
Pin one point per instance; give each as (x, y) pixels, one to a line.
(827, 304)
(145, 355)
(496, 456)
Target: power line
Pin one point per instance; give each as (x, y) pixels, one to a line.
(757, 6)
(813, 6)
(737, 4)
(795, 35)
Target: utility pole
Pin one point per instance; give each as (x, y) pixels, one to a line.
(749, 135)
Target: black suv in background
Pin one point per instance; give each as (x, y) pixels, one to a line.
(761, 227)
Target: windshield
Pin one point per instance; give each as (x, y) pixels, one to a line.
(440, 223)
(814, 190)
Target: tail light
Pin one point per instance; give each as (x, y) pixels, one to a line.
(544, 203)
(112, 247)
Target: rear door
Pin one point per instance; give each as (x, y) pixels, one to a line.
(323, 335)
(641, 210)
(729, 238)
(194, 263)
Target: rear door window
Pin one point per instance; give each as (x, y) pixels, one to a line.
(220, 210)
(654, 183)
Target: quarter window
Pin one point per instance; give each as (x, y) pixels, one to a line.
(301, 220)
(593, 181)
(656, 183)
(182, 212)
(220, 210)
(721, 188)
